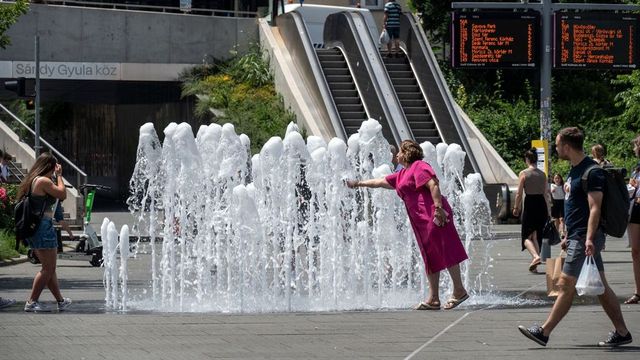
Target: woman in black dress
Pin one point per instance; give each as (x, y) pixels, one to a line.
(535, 212)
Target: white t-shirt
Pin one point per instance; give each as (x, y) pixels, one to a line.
(557, 192)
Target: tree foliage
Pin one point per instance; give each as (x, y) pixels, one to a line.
(240, 91)
(9, 14)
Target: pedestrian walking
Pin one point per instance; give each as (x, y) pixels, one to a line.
(584, 238)
(557, 207)
(431, 219)
(43, 194)
(535, 207)
(633, 229)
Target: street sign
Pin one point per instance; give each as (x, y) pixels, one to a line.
(495, 39)
(595, 41)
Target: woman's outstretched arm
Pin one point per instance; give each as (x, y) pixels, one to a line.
(371, 183)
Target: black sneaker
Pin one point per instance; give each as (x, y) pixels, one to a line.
(616, 339)
(534, 333)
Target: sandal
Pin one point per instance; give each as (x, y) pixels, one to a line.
(427, 306)
(533, 267)
(453, 302)
(633, 300)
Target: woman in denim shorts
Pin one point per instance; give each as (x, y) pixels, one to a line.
(44, 242)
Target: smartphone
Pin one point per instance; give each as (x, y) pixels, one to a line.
(437, 221)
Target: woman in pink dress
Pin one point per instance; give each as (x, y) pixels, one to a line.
(431, 219)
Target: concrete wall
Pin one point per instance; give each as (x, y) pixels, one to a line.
(104, 35)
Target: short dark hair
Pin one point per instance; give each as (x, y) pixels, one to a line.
(412, 151)
(572, 136)
(531, 155)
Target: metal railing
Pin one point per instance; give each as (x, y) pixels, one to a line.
(81, 176)
(132, 5)
(15, 171)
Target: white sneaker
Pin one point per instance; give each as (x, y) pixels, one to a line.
(64, 304)
(6, 302)
(35, 307)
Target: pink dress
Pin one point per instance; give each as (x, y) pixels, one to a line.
(441, 247)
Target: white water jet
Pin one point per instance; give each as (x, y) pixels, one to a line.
(124, 271)
(110, 258)
(295, 238)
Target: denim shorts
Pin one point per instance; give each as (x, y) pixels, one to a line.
(575, 255)
(45, 236)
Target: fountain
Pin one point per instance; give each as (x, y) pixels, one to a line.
(280, 231)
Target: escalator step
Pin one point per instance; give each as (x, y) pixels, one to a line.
(397, 67)
(409, 96)
(330, 56)
(421, 122)
(404, 81)
(406, 88)
(359, 115)
(402, 75)
(342, 85)
(334, 64)
(332, 72)
(343, 93)
(353, 124)
(415, 110)
(338, 78)
(347, 101)
(425, 133)
(350, 108)
(413, 103)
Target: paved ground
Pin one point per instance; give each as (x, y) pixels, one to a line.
(484, 331)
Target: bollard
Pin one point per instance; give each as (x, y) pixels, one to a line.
(545, 250)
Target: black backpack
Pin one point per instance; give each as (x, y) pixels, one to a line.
(26, 220)
(614, 214)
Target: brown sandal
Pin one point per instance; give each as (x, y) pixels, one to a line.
(428, 306)
(533, 267)
(633, 300)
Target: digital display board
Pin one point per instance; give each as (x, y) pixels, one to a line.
(495, 40)
(596, 40)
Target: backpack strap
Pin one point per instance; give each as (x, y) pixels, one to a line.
(585, 176)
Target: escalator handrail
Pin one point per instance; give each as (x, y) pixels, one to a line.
(306, 60)
(408, 21)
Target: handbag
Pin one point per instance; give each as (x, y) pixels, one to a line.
(550, 232)
(553, 269)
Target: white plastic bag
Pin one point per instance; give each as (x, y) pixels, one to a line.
(589, 281)
(384, 37)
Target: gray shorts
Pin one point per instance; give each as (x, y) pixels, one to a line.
(575, 255)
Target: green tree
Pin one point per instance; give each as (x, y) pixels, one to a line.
(9, 14)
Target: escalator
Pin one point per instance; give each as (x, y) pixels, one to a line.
(343, 89)
(348, 81)
(411, 99)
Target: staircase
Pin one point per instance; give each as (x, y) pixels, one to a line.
(343, 89)
(411, 98)
(16, 171)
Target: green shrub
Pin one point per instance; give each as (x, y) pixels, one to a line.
(242, 93)
(7, 245)
(7, 203)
